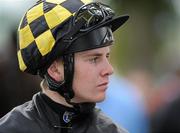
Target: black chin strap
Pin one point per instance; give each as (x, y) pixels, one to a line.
(68, 76)
(64, 87)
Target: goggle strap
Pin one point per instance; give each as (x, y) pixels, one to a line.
(68, 39)
(74, 29)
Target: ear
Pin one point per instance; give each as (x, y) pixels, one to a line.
(56, 71)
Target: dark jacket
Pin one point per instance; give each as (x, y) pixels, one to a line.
(36, 116)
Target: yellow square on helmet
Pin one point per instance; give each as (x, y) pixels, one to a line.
(45, 42)
(56, 16)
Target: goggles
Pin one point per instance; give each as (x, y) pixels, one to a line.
(85, 21)
(92, 14)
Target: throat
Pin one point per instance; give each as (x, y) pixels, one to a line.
(56, 97)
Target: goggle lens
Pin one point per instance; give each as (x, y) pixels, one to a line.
(93, 14)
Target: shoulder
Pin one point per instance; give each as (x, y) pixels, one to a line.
(20, 119)
(106, 124)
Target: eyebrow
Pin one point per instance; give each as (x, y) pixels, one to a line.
(95, 54)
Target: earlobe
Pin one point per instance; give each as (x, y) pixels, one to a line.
(55, 71)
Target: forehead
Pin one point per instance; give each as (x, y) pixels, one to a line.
(100, 51)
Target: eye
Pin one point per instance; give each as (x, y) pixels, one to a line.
(108, 56)
(94, 59)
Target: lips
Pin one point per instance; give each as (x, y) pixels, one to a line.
(104, 84)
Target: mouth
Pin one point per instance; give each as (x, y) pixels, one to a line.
(103, 85)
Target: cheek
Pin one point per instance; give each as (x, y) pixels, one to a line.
(85, 78)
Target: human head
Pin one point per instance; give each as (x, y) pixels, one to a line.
(59, 28)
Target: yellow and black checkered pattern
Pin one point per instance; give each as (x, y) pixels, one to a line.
(37, 31)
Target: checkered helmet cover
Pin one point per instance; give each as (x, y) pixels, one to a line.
(37, 31)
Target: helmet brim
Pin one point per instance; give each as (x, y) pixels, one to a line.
(95, 35)
(114, 23)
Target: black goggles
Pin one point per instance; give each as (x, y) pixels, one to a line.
(92, 14)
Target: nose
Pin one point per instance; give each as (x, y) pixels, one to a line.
(108, 69)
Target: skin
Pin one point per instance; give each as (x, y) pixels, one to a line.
(91, 76)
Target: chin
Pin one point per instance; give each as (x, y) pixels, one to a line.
(100, 99)
(95, 99)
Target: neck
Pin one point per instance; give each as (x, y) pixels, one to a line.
(55, 96)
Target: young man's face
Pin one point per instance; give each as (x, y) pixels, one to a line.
(91, 75)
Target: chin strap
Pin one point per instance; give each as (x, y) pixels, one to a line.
(68, 76)
(64, 87)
